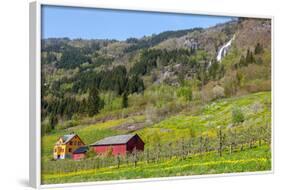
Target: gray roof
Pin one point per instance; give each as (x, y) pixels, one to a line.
(118, 139)
(66, 138)
(81, 149)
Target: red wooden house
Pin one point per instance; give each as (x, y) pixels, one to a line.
(80, 153)
(119, 145)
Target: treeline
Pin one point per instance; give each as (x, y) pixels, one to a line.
(152, 58)
(64, 108)
(63, 54)
(117, 80)
(73, 57)
(59, 45)
(193, 61)
(156, 39)
(58, 103)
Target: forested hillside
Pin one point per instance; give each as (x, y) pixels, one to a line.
(76, 71)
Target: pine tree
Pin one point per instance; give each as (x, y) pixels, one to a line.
(258, 49)
(94, 102)
(242, 61)
(248, 57)
(252, 59)
(53, 121)
(125, 100)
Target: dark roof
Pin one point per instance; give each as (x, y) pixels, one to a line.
(66, 138)
(118, 139)
(81, 149)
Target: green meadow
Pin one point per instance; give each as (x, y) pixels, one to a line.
(250, 160)
(202, 122)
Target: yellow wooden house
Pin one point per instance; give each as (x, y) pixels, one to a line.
(66, 145)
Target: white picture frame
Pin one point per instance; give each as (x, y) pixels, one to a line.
(35, 94)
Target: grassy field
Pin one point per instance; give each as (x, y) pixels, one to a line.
(256, 159)
(209, 117)
(184, 125)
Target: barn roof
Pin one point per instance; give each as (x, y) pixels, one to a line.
(66, 138)
(118, 139)
(81, 149)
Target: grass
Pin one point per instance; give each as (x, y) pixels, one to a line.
(173, 128)
(212, 115)
(256, 159)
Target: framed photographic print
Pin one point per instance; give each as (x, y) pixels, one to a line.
(121, 95)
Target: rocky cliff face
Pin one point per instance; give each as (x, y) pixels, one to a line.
(209, 39)
(253, 31)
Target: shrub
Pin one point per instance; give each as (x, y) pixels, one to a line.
(230, 84)
(218, 92)
(206, 93)
(185, 92)
(237, 115)
(46, 126)
(91, 154)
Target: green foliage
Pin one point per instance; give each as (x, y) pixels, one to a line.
(91, 153)
(125, 100)
(104, 80)
(53, 121)
(156, 39)
(111, 101)
(258, 49)
(231, 84)
(185, 92)
(218, 92)
(237, 115)
(135, 85)
(216, 70)
(250, 57)
(54, 44)
(153, 58)
(94, 102)
(232, 57)
(49, 58)
(243, 61)
(46, 126)
(71, 58)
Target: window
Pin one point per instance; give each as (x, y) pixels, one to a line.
(74, 143)
(69, 150)
(79, 143)
(62, 150)
(70, 143)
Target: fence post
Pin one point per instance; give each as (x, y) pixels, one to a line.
(220, 141)
(118, 160)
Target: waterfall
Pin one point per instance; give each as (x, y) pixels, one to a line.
(223, 50)
(209, 64)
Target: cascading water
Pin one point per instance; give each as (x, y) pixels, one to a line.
(223, 50)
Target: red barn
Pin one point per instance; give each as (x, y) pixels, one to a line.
(120, 144)
(80, 153)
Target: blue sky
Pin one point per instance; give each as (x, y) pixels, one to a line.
(115, 24)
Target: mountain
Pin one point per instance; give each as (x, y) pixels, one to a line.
(233, 58)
